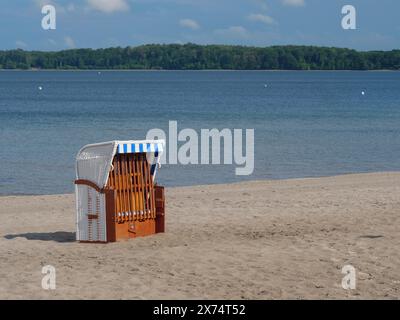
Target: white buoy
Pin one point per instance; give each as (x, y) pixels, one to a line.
(363, 93)
(265, 86)
(40, 88)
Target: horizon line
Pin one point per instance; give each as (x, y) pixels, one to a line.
(203, 45)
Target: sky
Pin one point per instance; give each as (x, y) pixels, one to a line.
(111, 23)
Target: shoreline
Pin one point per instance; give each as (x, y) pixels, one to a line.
(230, 183)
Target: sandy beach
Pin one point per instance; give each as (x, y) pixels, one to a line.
(286, 239)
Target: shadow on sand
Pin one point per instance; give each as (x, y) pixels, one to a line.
(59, 236)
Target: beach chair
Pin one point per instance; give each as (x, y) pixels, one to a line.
(116, 194)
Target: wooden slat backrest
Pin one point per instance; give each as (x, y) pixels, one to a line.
(130, 186)
(133, 183)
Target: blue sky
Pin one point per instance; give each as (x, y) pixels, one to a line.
(105, 23)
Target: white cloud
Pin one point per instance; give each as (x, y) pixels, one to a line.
(233, 32)
(261, 18)
(189, 23)
(20, 44)
(108, 6)
(294, 3)
(69, 42)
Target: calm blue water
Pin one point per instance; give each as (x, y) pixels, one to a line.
(306, 123)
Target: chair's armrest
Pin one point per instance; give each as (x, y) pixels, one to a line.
(90, 184)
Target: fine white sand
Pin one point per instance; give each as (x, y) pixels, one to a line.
(254, 240)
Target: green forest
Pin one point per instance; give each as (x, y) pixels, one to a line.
(203, 57)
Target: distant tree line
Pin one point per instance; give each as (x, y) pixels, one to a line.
(198, 57)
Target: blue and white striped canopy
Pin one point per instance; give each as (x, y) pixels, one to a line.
(139, 147)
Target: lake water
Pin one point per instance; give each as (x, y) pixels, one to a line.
(306, 123)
